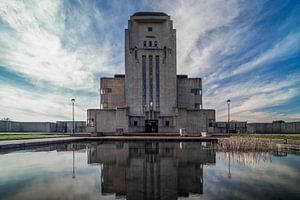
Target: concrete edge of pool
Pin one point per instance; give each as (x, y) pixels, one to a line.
(15, 144)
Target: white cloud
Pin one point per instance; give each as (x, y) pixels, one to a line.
(193, 19)
(22, 105)
(210, 31)
(50, 42)
(248, 97)
(35, 47)
(283, 49)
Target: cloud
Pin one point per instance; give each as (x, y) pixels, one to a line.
(247, 98)
(284, 49)
(192, 20)
(22, 105)
(60, 46)
(44, 48)
(223, 43)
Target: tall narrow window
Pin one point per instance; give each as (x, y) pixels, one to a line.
(155, 43)
(144, 78)
(145, 43)
(150, 43)
(165, 54)
(135, 53)
(150, 29)
(157, 79)
(150, 78)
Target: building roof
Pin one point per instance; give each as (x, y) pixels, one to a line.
(119, 75)
(149, 14)
(182, 76)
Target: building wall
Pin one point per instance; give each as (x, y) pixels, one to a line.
(62, 127)
(165, 36)
(112, 92)
(189, 92)
(107, 121)
(38, 127)
(273, 128)
(234, 127)
(67, 126)
(195, 121)
(12, 126)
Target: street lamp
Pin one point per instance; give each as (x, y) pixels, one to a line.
(73, 101)
(228, 105)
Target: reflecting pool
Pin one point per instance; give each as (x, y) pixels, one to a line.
(147, 170)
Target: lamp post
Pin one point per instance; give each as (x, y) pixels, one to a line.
(73, 102)
(228, 105)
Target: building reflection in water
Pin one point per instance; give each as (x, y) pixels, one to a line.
(152, 170)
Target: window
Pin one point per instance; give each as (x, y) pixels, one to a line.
(150, 29)
(198, 106)
(144, 78)
(106, 90)
(135, 53)
(91, 122)
(155, 43)
(157, 79)
(145, 43)
(150, 78)
(210, 124)
(135, 123)
(167, 123)
(196, 91)
(150, 43)
(103, 105)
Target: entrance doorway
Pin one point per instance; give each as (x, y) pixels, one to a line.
(151, 126)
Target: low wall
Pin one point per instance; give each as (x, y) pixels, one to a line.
(9, 126)
(274, 128)
(67, 126)
(37, 127)
(233, 127)
(62, 127)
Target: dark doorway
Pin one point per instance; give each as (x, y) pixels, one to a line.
(151, 126)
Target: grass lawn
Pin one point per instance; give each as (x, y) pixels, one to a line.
(27, 136)
(273, 136)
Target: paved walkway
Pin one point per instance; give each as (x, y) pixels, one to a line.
(8, 144)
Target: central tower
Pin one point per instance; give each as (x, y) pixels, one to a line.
(150, 66)
(150, 96)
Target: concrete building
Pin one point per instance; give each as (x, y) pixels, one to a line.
(150, 97)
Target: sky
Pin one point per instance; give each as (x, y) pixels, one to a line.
(54, 50)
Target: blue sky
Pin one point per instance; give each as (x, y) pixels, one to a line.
(246, 51)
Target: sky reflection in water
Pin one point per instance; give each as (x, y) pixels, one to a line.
(146, 171)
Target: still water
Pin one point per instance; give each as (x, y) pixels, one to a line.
(142, 170)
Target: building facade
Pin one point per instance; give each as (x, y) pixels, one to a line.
(150, 97)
